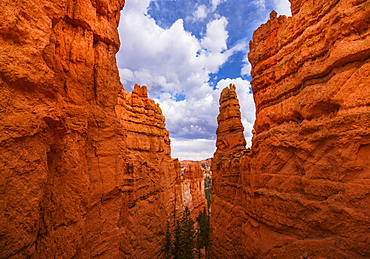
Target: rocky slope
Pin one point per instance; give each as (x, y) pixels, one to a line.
(303, 190)
(85, 166)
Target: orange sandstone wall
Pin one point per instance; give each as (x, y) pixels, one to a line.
(228, 163)
(305, 183)
(85, 167)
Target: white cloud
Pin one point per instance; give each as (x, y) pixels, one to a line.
(260, 4)
(196, 150)
(282, 7)
(200, 13)
(215, 3)
(169, 59)
(246, 68)
(215, 40)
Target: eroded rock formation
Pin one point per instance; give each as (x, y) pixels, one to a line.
(303, 190)
(85, 167)
(192, 186)
(227, 189)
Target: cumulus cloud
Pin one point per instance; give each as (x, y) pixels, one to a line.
(215, 40)
(200, 13)
(169, 59)
(215, 3)
(282, 7)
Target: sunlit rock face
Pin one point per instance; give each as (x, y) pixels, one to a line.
(85, 166)
(228, 164)
(302, 191)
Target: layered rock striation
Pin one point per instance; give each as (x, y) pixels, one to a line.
(85, 166)
(302, 191)
(227, 166)
(149, 180)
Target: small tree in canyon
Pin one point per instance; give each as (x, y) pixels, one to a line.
(204, 231)
(168, 243)
(183, 245)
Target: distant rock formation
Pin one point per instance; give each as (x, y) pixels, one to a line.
(85, 167)
(191, 185)
(302, 191)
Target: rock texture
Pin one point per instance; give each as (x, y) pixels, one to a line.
(303, 190)
(227, 189)
(85, 166)
(192, 185)
(149, 180)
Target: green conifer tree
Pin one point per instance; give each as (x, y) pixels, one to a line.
(177, 249)
(187, 225)
(168, 243)
(204, 230)
(184, 237)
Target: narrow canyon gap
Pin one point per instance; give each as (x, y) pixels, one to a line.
(85, 166)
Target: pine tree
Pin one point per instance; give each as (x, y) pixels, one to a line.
(168, 243)
(177, 249)
(183, 246)
(204, 229)
(187, 225)
(184, 237)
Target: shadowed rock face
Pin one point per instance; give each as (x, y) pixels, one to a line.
(85, 166)
(303, 189)
(191, 185)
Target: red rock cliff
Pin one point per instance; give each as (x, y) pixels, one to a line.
(304, 187)
(85, 171)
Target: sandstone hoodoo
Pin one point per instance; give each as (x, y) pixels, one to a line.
(227, 167)
(303, 189)
(85, 166)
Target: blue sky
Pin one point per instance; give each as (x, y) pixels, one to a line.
(186, 52)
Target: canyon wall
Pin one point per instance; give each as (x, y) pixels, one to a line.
(303, 189)
(191, 186)
(85, 166)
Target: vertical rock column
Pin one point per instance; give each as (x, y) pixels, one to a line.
(228, 164)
